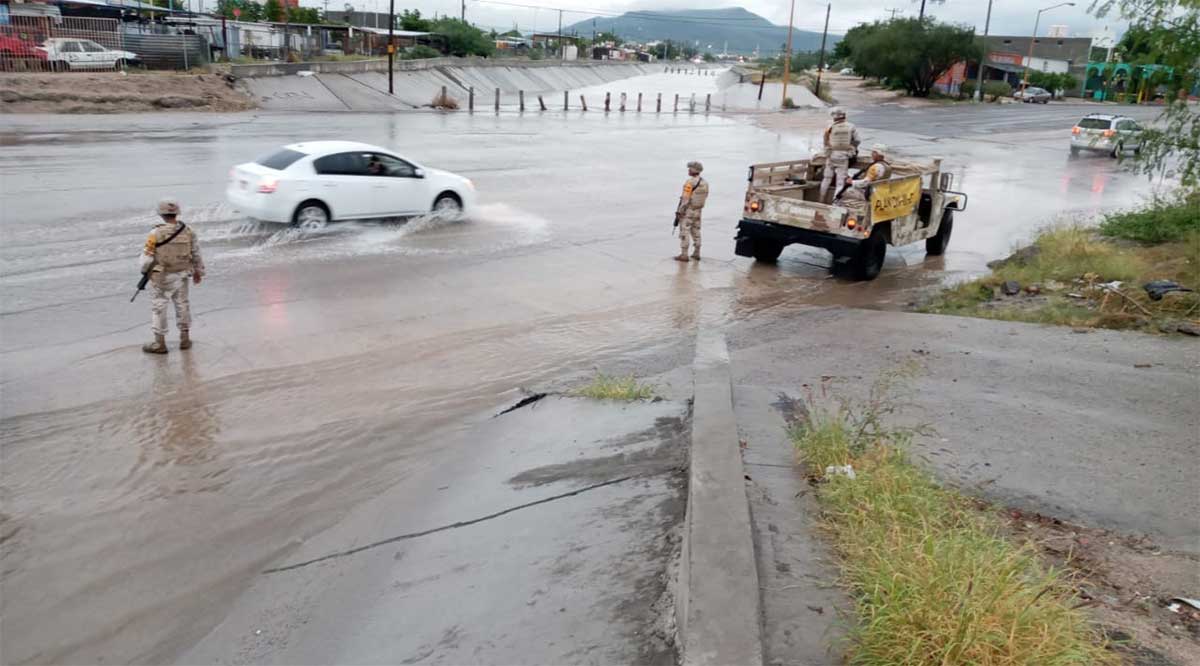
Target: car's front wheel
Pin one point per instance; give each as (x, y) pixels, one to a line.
(311, 216)
(1117, 150)
(447, 204)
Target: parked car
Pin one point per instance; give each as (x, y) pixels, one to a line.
(67, 54)
(1033, 95)
(847, 71)
(18, 54)
(1106, 133)
(312, 184)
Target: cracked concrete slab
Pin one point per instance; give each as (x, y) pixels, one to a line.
(519, 554)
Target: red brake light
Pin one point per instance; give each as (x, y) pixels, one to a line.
(268, 185)
(1110, 133)
(1075, 130)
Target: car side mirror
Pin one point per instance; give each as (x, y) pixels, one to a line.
(419, 173)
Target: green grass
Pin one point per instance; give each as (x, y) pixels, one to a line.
(933, 579)
(1165, 219)
(609, 387)
(1077, 260)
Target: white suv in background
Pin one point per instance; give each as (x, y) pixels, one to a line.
(312, 184)
(1104, 133)
(63, 53)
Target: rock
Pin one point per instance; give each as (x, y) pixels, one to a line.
(1011, 287)
(1033, 290)
(1188, 328)
(1019, 258)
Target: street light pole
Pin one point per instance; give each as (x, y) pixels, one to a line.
(1029, 59)
(391, 47)
(983, 59)
(787, 57)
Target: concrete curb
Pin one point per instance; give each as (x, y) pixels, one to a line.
(380, 65)
(717, 596)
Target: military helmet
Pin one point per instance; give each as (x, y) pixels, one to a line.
(695, 166)
(837, 112)
(168, 207)
(879, 148)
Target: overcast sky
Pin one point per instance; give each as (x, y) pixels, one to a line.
(1009, 17)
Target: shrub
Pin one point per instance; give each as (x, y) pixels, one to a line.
(421, 52)
(997, 89)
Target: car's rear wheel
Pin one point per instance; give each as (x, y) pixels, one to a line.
(120, 64)
(311, 216)
(766, 251)
(936, 244)
(868, 261)
(447, 204)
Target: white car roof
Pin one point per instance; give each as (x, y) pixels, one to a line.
(330, 147)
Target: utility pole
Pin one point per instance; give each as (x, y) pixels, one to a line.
(893, 12)
(391, 47)
(593, 31)
(1032, 40)
(787, 57)
(983, 59)
(922, 16)
(821, 61)
(562, 54)
(464, 11)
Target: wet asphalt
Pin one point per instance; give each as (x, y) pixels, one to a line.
(142, 495)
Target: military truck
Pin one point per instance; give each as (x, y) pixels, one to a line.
(783, 207)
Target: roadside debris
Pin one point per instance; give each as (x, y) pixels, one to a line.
(1011, 287)
(841, 470)
(1156, 289)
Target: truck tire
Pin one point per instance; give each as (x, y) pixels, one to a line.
(936, 244)
(868, 261)
(766, 251)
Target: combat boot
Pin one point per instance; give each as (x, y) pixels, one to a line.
(185, 340)
(682, 257)
(159, 346)
(696, 254)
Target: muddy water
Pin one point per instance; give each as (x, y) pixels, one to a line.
(141, 494)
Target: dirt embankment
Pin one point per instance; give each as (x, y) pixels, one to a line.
(119, 92)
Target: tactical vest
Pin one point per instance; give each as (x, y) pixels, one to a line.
(176, 256)
(840, 135)
(884, 171)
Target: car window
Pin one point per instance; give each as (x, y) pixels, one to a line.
(1095, 123)
(93, 47)
(280, 160)
(71, 47)
(381, 164)
(342, 164)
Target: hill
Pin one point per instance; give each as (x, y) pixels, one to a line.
(710, 28)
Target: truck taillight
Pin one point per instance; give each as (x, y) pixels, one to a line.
(268, 185)
(851, 223)
(1076, 130)
(755, 206)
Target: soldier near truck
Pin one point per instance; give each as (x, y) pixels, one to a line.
(170, 257)
(841, 147)
(687, 213)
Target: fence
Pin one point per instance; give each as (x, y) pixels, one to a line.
(66, 44)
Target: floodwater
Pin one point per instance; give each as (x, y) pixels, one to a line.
(141, 494)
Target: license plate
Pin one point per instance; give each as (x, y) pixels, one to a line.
(244, 184)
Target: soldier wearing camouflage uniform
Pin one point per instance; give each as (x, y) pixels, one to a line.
(695, 194)
(841, 145)
(172, 254)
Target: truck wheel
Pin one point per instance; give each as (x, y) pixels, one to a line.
(766, 251)
(936, 244)
(869, 260)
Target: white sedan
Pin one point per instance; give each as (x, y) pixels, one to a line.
(68, 54)
(311, 184)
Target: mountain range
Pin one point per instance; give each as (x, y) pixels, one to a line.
(708, 29)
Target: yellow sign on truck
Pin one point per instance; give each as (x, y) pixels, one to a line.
(894, 198)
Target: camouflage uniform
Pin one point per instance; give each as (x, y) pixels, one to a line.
(695, 194)
(856, 196)
(841, 142)
(174, 262)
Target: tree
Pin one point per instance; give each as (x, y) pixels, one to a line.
(250, 10)
(1166, 32)
(411, 20)
(844, 50)
(306, 15)
(462, 38)
(272, 11)
(911, 52)
(609, 36)
(709, 57)
(512, 33)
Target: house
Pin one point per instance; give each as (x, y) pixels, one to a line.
(1007, 57)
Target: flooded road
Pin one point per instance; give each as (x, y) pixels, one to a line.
(142, 494)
